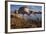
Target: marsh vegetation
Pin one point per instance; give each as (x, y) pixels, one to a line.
(22, 18)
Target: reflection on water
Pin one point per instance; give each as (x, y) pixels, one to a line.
(31, 16)
(26, 21)
(24, 17)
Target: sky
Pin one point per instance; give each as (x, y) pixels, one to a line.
(14, 7)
